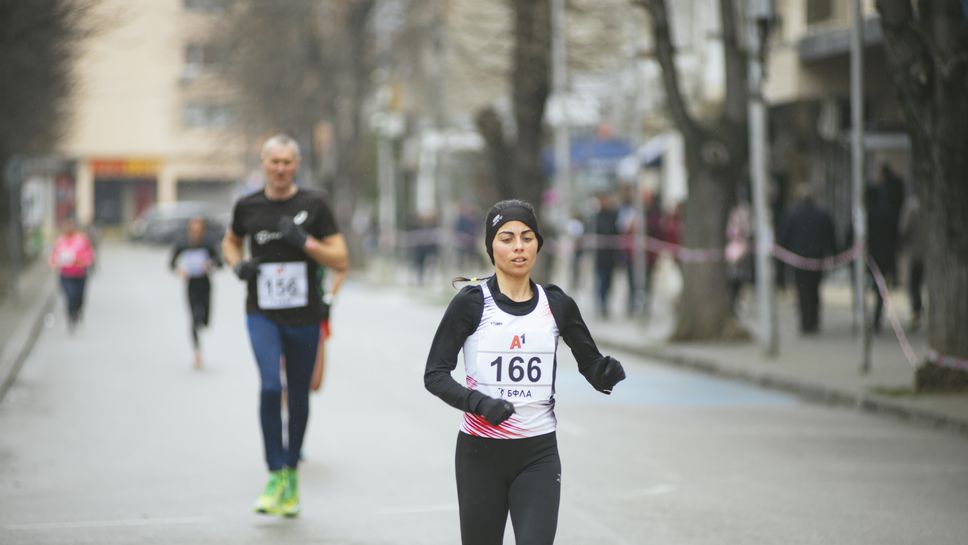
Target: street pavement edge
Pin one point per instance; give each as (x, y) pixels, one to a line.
(23, 319)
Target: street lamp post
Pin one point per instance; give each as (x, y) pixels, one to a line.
(760, 14)
(562, 140)
(857, 178)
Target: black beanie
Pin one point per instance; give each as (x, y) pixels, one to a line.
(503, 212)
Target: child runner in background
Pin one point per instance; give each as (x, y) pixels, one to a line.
(193, 258)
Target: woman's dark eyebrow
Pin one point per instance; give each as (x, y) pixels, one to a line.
(512, 232)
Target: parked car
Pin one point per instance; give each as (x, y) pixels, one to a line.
(164, 223)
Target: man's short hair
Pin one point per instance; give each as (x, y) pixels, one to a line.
(280, 140)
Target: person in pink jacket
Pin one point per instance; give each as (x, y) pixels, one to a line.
(71, 257)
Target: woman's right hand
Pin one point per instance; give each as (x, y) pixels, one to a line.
(495, 411)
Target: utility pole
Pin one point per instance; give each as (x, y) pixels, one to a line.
(760, 13)
(857, 178)
(562, 181)
(640, 234)
(442, 164)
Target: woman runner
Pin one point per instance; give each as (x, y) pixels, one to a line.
(72, 257)
(508, 328)
(193, 258)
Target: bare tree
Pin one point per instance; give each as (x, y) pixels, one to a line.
(927, 48)
(516, 164)
(301, 65)
(716, 153)
(38, 40)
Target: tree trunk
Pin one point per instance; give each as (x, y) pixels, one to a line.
(492, 130)
(705, 310)
(716, 153)
(530, 75)
(927, 52)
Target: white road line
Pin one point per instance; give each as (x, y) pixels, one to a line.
(67, 525)
(410, 509)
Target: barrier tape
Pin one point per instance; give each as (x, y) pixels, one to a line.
(701, 255)
(946, 361)
(895, 322)
(626, 242)
(813, 264)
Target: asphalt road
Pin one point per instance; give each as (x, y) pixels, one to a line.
(109, 436)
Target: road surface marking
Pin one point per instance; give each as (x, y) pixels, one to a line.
(108, 523)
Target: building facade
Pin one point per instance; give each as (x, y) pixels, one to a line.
(808, 90)
(153, 121)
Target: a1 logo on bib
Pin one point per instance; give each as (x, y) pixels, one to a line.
(517, 342)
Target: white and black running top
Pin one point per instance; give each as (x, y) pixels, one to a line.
(194, 258)
(286, 290)
(509, 353)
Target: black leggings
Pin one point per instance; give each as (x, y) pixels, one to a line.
(497, 476)
(199, 303)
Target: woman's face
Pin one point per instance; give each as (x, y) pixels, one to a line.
(515, 247)
(196, 229)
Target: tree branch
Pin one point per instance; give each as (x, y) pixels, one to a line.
(665, 54)
(908, 53)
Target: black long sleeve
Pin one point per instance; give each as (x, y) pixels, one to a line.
(175, 252)
(181, 246)
(460, 320)
(573, 330)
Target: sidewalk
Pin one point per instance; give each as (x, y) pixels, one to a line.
(21, 318)
(824, 367)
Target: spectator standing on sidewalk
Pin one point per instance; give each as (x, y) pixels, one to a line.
(291, 233)
(809, 232)
(71, 257)
(915, 240)
(739, 254)
(192, 259)
(606, 250)
(508, 329)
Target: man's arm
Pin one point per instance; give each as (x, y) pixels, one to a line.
(231, 249)
(330, 251)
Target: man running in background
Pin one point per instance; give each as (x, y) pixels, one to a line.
(291, 232)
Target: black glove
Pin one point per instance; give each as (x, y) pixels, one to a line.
(495, 411)
(247, 269)
(612, 373)
(292, 233)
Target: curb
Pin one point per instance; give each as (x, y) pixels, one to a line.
(810, 391)
(22, 339)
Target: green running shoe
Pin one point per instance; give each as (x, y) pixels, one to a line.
(289, 504)
(271, 497)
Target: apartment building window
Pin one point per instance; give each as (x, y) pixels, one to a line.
(819, 11)
(199, 58)
(207, 5)
(208, 115)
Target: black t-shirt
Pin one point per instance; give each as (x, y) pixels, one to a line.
(291, 296)
(462, 318)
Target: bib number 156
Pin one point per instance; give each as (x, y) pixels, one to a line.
(518, 369)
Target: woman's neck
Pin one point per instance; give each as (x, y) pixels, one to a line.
(515, 288)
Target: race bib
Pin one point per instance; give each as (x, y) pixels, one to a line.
(66, 257)
(516, 366)
(282, 285)
(194, 262)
